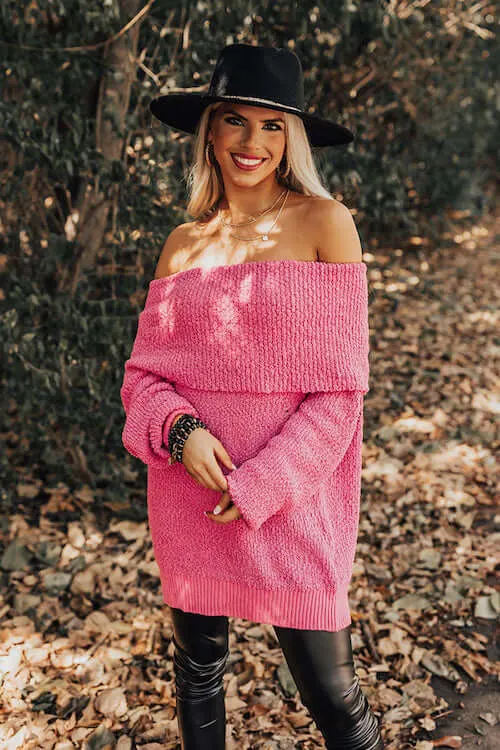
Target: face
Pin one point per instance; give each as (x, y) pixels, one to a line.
(247, 131)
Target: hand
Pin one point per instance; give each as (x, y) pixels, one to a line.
(199, 456)
(229, 510)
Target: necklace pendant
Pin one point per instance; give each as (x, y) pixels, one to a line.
(265, 237)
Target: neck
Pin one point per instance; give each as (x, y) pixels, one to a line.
(243, 202)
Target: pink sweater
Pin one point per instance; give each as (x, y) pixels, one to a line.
(273, 357)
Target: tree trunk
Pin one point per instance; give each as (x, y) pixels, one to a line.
(112, 107)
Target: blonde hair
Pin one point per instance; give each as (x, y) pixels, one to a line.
(205, 187)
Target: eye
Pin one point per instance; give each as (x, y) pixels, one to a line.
(231, 117)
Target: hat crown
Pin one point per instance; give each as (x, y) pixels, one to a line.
(272, 74)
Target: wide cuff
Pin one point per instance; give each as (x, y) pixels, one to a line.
(287, 471)
(312, 609)
(146, 414)
(241, 486)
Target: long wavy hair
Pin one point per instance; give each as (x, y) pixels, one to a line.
(205, 186)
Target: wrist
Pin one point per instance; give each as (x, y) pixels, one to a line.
(179, 433)
(167, 426)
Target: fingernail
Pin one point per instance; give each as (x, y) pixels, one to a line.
(217, 510)
(205, 512)
(233, 466)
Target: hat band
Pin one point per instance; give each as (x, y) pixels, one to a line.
(257, 99)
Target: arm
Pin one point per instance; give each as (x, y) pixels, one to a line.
(292, 465)
(151, 403)
(314, 440)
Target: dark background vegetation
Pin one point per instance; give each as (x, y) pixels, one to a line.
(90, 186)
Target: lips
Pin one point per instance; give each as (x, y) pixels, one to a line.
(246, 163)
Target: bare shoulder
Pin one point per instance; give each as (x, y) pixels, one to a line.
(337, 238)
(175, 245)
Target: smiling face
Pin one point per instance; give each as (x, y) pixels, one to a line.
(249, 142)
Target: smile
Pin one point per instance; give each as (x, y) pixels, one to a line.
(245, 163)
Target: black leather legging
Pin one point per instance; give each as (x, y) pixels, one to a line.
(321, 663)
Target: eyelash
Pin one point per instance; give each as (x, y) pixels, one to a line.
(232, 117)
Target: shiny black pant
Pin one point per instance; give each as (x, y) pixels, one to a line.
(321, 664)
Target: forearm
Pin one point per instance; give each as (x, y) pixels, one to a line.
(294, 462)
(151, 404)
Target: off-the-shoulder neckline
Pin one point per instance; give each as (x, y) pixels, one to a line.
(293, 261)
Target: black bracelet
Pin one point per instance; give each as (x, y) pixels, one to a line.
(179, 433)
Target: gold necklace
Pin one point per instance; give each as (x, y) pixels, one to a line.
(266, 235)
(253, 219)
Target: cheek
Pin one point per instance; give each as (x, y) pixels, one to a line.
(224, 135)
(277, 144)
(277, 152)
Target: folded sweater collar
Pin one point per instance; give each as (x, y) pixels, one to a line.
(262, 326)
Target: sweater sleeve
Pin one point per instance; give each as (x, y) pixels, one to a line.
(151, 403)
(288, 469)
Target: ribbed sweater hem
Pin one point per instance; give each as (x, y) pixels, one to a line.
(309, 609)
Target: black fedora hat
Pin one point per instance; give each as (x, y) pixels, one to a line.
(269, 77)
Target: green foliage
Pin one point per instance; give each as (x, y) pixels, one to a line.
(63, 359)
(417, 85)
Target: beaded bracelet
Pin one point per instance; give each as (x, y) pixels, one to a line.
(179, 433)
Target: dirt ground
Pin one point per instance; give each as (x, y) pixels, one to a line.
(464, 719)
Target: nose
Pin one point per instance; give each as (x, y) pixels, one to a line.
(251, 137)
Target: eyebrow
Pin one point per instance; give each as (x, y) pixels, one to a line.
(270, 119)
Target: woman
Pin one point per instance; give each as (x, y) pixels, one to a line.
(252, 351)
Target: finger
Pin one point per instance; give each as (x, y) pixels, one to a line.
(224, 456)
(223, 504)
(200, 474)
(236, 510)
(221, 508)
(216, 476)
(207, 479)
(191, 469)
(231, 514)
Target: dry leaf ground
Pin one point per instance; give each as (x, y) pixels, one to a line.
(85, 641)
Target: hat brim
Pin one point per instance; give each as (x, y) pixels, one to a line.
(182, 111)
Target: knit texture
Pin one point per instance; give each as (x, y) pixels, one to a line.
(273, 357)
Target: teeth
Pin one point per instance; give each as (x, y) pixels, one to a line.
(249, 162)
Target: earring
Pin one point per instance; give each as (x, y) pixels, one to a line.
(209, 149)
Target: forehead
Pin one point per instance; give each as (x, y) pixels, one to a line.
(250, 111)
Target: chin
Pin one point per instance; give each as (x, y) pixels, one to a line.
(260, 174)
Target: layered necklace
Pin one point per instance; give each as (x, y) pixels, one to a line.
(253, 219)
